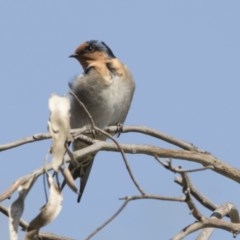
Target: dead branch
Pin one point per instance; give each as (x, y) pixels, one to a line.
(185, 151)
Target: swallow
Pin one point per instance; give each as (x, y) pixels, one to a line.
(106, 88)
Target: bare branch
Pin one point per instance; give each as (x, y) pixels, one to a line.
(112, 129)
(25, 140)
(168, 165)
(197, 195)
(155, 133)
(223, 210)
(154, 197)
(205, 159)
(214, 222)
(186, 190)
(188, 152)
(208, 222)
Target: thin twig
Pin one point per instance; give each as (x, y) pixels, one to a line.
(168, 165)
(108, 221)
(126, 201)
(124, 159)
(191, 205)
(154, 197)
(84, 108)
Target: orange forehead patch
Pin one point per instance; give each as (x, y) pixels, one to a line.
(81, 47)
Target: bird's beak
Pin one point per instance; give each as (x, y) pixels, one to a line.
(74, 55)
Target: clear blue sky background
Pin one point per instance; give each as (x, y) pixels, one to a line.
(185, 57)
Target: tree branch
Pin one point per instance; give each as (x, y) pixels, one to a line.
(187, 152)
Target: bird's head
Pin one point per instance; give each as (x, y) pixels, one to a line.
(92, 51)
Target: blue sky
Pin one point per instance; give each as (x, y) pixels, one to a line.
(185, 58)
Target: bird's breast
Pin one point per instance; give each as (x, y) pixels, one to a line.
(107, 100)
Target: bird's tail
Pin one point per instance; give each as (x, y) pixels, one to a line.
(81, 169)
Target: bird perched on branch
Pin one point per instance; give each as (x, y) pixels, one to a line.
(106, 89)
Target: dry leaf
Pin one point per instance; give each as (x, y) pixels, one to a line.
(59, 128)
(48, 212)
(17, 207)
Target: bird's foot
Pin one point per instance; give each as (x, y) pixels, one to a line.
(119, 129)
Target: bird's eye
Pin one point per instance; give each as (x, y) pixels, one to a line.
(90, 48)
